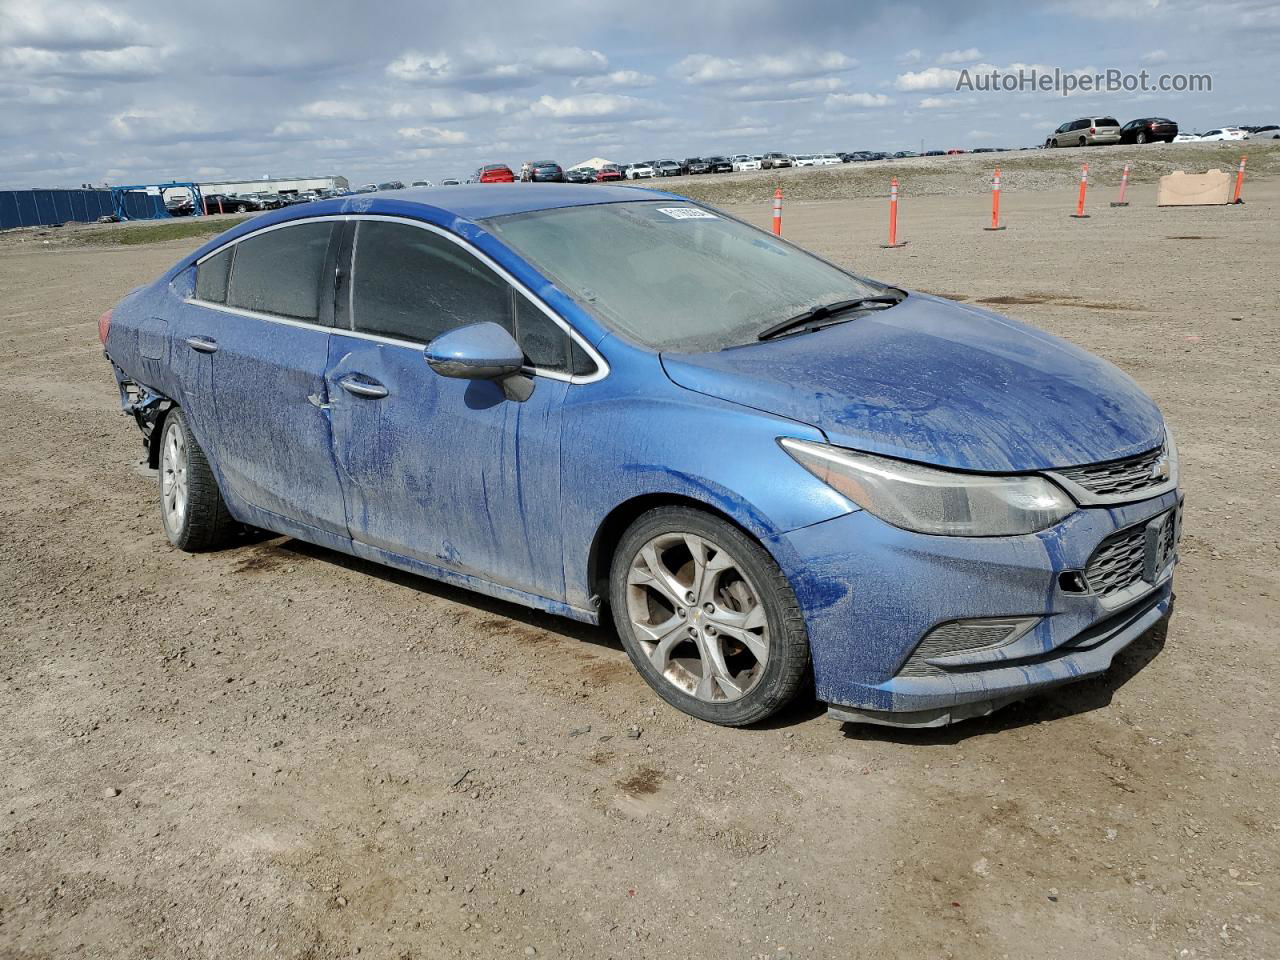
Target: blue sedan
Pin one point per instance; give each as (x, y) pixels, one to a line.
(608, 401)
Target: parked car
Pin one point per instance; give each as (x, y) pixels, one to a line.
(923, 508)
(422, 183)
(666, 168)
(179, 206)
(1086, 131)
(225, 203)
(744, 162)
(719, 165)
(644, 168)
(493, 173)
(775, 161)
(1268, 132)
(391, 185)
(802, 160)
(367, 188)
(826, 160)
(545, 171)
(1225, 133)
(609, 173)
(935, 153)
(580, 175)
(1149, 130)
(1186, 137)
(695, 165)
(450, 182)
(903, 155)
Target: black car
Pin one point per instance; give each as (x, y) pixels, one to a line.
(719, 165)
(580, 175)
(225, 203)
(1149, 130)
(179, 206)
(391, 185)
(546, 171)
(696, 165)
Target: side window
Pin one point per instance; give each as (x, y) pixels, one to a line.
(212, 276)
(281, 271)
(413, 284)
(545, 345)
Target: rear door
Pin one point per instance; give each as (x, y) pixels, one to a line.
(443, 471)
(267, 332)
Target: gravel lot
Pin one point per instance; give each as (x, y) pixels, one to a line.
(279, 751)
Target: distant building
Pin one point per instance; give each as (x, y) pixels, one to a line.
(274, 185)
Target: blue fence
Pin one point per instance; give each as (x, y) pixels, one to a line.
(34, 208)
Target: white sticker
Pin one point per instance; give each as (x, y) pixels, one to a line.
(687, 213)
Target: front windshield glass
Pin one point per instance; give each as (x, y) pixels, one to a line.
(674, 276)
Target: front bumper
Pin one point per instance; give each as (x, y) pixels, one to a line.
(870, 592)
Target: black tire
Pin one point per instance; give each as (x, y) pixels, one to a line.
(205, 523)
(1141, 137)
(1084, 142)
(241, 208)
(787, 670)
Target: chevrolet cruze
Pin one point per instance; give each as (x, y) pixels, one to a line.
(608, 402)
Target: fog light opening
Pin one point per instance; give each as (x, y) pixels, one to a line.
(1073, 582)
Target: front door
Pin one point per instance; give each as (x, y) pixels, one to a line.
(448, 472)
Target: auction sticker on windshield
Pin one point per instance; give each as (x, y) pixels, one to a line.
(687, 213)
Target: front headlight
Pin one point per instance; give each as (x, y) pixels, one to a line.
(929, 500)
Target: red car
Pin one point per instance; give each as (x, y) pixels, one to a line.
(608, 173)
(494, 173)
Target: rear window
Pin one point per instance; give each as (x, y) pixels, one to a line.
(212, 276)
(279, 271)
(1106, 122)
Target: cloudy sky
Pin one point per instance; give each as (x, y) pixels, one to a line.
(138, 90)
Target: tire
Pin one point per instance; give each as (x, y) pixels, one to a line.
(194, 516)
(1141, 137)
(668, 639)
(241, 208)
(1083, 142)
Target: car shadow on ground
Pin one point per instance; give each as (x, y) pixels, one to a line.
(1068, 700)
(1064, 701)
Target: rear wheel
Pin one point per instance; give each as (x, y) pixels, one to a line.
(1141, 137)
(1083, 142)
(194, 516)
(707, 617)
(241, 208)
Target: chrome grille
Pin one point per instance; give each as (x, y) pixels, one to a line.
(1119, 477)
(1118, 562)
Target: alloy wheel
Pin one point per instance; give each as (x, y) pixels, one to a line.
(697, 617)
(173, 477)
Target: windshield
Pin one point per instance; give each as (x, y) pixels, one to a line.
(674, 276)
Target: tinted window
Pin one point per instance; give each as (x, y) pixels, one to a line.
(1079, 124)
(1107, 122)
(280, 271)
(413, 284)
(212, 276)
(544, 343)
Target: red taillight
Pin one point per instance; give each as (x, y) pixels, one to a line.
(104, 327)
(1092, 131)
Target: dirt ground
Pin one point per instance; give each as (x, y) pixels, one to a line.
(279, 751)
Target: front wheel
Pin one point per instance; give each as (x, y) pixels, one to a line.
(707, 617)
(1083, 142)
(241, 208)
(192, 510)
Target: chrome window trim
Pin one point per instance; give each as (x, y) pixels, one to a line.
(602, 366)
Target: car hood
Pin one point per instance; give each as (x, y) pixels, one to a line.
(939, 382)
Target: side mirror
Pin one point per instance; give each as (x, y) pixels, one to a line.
(481, 351)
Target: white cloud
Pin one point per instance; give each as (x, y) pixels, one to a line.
(857, 100)
(1155, 56)
(933, 103)
(930, 78)
(438, 135)
(291, 128)
(587, 106)
(454, 106)
(570, 60)
(980, 135)
(914, 55)
(702, 68)
(60, 25)
(124, 63)
(960, 56)
(614, 79)
(335, 110)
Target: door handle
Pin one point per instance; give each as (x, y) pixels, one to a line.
(203, 344)
(363, 388)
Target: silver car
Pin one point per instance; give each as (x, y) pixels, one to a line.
(1084, 132)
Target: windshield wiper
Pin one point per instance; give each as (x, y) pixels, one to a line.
(813, 318)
